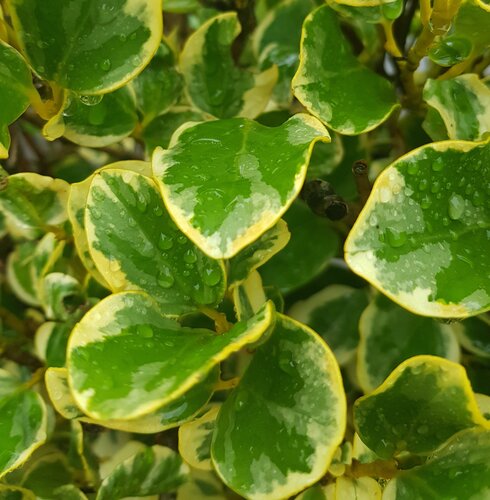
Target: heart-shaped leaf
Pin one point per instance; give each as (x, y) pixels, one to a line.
(423, 234)
(391, 334)
(213, 83)
(420, 405)
(88, 47)
(277, 432)
(255, 173)
(153, 256)
(153, 360)
(329, 77)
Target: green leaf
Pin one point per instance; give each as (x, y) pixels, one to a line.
(90, 47)
(153, 256)
(195, 439)
(213, 83)
(159, 86)
(362, 488)
(11, 492)
(459, 469)
(249, 296)
(474, 335)
(165, 359)
(32, 203)
(45, 256)
(19, 276)
(160, 130)
(277, 432)
(258, 253)
(23, 427)
(15, 89)
(94, 121)
(256, 173)
(68, 492)
(463, 104)
(420, 405)
(203, 485)
(391, 334)
(166, 417)
(276, 42)
(59, 295)
(422, 235)
(77, 202)
(51, 340)
(47, 473)
(329, 77)
(151, 471)
(334, 314)
(312, 245)
(450, 50)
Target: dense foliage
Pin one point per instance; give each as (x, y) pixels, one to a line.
(179, 317)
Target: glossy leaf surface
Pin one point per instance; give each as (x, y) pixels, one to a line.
(329, 77)
(213, 83)
(88, 47)
(278, 430)
(154, 256)
(422, 235)
(420, 405)
(165, 359)
(391, 334)
(255, 175)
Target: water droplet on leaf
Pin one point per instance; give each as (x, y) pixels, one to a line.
(456, 206)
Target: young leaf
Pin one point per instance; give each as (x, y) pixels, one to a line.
(151, 471)
(15, 89)
(420, 405)
(19, 276)
(334, 314)
(94, 122)
(278, 430)
(23, 428)
(463, 104)
(213, 83)
(153, 360)
(51, 340)
(59, 294)
(258, 253)
(166, 417)
(474, 335)
(459, 469)
(422, 235)
(312, 245)
(11, 492)
(255, 175)
(276, 41)
(77, 202)
(90, 47)
(32, 203)
(153, 256)
(362, 488)
(249, 296)
(329, 77)
(195, 439)
(391, 334)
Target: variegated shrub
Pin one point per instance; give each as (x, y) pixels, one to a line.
(244, 249)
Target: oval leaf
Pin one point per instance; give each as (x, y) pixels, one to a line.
(420, 405)
(90, 47)
(277, 432)
(153, 360)
(153, 256)
(422, 235)
(329, 77)
(255, 175)
(391, 334)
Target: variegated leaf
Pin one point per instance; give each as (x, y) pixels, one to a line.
(422, 235)
(153, 359)
(256, 173)
(279, 429)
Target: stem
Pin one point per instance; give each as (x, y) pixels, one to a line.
(385, 469)
(221, 323)
(360, 170)
(390, 45)
(459, 68)
(226, 385)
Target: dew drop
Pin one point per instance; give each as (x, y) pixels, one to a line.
(181, 239)
(165, 242)
(241, 400)
(423, 184)
(91, 100)
(436, 187)
(478, 199)
(423, 429)
(145, 331)
(105, 65)
(396, 238)
(456, 206)
(286, 364)
(211, 277)
(165, 278)
(438, 165)
(95, 213)
(190, 256)
(412, 168)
